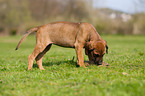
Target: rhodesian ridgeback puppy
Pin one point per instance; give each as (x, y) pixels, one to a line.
(67, 34)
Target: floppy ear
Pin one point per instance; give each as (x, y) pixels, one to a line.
(107, 49)
(88, 47)
(106, 46)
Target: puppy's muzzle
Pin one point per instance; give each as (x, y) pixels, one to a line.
(98, 62)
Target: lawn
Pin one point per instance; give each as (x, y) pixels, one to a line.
(124, 77)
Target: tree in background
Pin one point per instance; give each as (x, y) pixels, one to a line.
(16, 15)
(13, 15)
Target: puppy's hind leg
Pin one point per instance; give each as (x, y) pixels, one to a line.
(40, 57)
(37, 50)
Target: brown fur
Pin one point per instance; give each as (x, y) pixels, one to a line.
(67, 34)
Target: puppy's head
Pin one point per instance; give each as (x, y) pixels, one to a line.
(96, 51)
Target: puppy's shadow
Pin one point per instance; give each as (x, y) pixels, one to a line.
(69, 62)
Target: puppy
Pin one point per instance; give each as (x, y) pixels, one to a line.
(67, 34)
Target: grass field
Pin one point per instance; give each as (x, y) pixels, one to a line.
(124, 77)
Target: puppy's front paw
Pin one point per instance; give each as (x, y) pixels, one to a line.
(41, 68)
(105, 64)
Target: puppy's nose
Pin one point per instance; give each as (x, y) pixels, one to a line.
(100, 63)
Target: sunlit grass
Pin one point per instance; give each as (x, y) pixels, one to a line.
(124, 77)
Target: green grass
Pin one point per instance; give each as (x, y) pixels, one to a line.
(124, 77)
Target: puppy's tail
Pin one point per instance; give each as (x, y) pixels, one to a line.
(28, 32)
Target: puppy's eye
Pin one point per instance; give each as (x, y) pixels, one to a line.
(96, 55)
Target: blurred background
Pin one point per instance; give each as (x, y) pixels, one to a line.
(108, 16)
